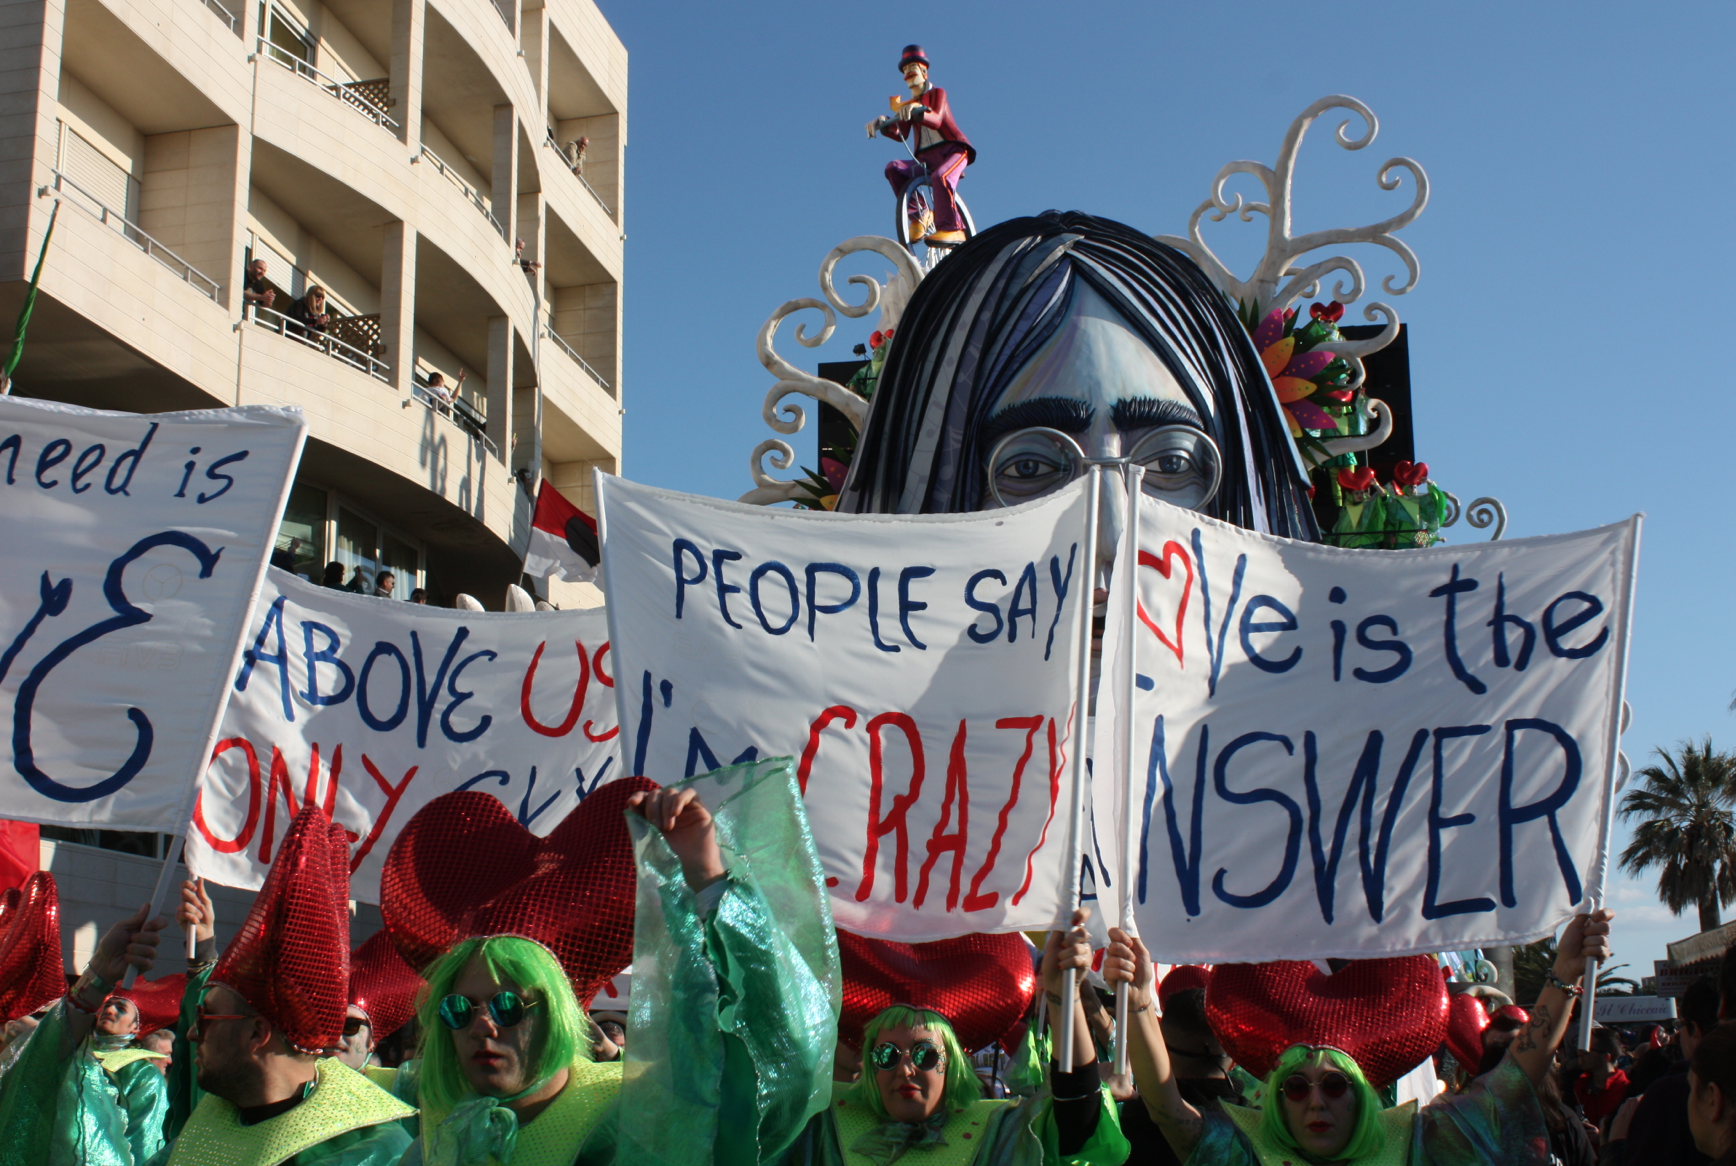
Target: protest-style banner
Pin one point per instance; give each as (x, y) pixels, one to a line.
(371, 708)
(133, 548)
(919, 667)
(1359, 753)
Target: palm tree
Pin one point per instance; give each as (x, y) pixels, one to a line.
(1532, 964)
(1687, 828)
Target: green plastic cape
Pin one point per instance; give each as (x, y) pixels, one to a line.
(734, 1017)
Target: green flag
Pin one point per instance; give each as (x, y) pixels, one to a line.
(29, 304)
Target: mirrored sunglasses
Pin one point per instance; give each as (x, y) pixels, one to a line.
(925, 1055)
(506, 1009)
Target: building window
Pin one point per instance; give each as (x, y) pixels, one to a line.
(304, 519)
(358, 549)
(331, 530)
(289, 41)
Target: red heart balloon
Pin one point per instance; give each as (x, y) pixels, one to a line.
(1172, 550)
(1357, 479)
(1467, 1018)
(31, 973)
(1388, 1014)
(463, 867)
(1331, 313)
(983, 984)
(1410, 473)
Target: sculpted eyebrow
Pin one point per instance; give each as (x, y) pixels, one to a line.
(1063, 413)
(1131, 413)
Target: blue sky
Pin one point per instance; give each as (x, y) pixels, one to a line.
(1565, 339)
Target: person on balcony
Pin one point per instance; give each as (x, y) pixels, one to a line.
(309, 313)
(254, 288)
(384, 583)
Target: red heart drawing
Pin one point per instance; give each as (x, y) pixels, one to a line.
(463, 867)
(1356, 479)
(1466, 1020)
(1171, 550)
(983, 984)
(1388, 1014)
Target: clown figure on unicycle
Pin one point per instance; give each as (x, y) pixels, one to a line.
(926, 184)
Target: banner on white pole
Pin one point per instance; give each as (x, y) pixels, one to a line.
(1361, 753)
(918, 667)
(134, 545)
(371, 708)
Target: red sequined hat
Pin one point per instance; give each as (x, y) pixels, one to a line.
(464, 867)
(1182, 978)
(982, 984)
(291, 959)
(383, 985)
(1387, 1014)
(158, 1001)
(1468, 1017)
(32, 975)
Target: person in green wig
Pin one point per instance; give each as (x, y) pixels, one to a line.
(734, 1007)
(919, 1101)
(1320, 1106)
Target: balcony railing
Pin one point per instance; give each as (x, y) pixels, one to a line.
(505, 7)
(130, 231)
(455, 412)
(228, 17)
(291, 329)
(550, 142)
(470, 192)
(568, 349)
(354, 94)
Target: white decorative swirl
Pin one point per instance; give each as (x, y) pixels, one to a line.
(1277, 280)
(1356, 349)
(1453, 501)
(785, 416)
(1337, 446)
(1486, 512)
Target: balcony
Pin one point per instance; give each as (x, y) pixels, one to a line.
(77, 196)
(329, 342)
(570, 351)
(566, 164)
(367, 98)
(226, 16)
(456, 410)
(470, 192)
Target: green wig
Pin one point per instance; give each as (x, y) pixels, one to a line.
(1365, 1137)
(564, 1033)
(963, 1087)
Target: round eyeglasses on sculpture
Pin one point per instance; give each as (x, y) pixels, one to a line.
(1182, 465)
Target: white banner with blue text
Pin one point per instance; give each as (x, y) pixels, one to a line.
(133, 547)
(919, 667)
(371, 708)
(1344, 753)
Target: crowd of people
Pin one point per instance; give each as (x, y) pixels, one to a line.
(459, 1034)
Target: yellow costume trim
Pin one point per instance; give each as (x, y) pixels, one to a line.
(554, 1137)
(342, 1100)
(1395, 1128)
(114, 1060)
(964, 1131)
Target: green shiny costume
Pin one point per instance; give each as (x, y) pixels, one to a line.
(103, 1106)
(1496, 1121)
(734, 1009)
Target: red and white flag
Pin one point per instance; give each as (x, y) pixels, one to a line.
(563, 539)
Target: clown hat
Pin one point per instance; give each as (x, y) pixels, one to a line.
(383, 985)
(982, 984)
(291, 959)
(1387, 1015)
(913, 55)
(32, 975)
(464, 867)
(158, 1001)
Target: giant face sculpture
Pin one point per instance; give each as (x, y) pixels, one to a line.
(1052, 340)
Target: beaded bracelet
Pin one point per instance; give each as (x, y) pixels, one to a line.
(1574, 990)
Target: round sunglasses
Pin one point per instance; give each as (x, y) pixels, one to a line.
(1332, 1086)
(506, 1009)
(924, 1055)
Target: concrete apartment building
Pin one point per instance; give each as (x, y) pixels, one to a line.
(391, 152)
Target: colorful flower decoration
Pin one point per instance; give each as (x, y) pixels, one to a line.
(1300, 369)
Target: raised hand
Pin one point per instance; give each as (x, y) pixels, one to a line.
(1127, 962)
(687, 826)
(130, 943)
(196, 913)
